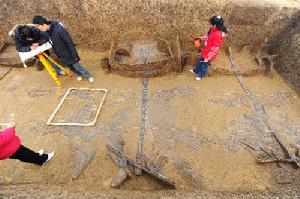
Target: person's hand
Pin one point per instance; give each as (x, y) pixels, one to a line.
(205, 60)
(35, 44)
(33, 47)
(9, 125)
(197, 43)
(196, 37)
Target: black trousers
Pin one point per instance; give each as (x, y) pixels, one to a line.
(26, 155)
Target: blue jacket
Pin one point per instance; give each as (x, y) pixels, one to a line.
(62, 44)
(23, 45)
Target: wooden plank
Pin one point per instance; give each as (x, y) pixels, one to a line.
(147, 170)
(269, 160)
(144, 107)
(121, 174)
(286, 147)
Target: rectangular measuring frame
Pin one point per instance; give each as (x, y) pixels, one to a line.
(92, 123)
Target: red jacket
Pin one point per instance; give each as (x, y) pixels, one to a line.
(214, 42)
(9, 143)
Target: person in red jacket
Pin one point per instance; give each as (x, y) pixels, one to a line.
(213, 42)
(10, 147)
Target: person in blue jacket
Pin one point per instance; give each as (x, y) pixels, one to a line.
(63, 46)
(28, 37)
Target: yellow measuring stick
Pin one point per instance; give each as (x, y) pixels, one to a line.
(49, 68)
(67, 71)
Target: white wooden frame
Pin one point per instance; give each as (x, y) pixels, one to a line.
(49, 122)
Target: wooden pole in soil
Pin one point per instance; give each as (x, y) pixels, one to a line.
(144, 107)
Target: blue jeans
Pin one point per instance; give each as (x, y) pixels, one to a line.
(79, 70)
(202, 68)
(56, 68)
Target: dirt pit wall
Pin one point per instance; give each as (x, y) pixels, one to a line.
(97, 23)
(287, 48)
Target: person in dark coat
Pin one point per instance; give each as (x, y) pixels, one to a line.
(63, 46)
(28, 37)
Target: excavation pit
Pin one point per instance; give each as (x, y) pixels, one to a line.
(149, 58)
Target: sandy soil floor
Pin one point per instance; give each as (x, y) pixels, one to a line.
(199, 127)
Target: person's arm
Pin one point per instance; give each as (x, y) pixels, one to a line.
(43, 38)
(7, 135)
(65, 36)
(196, 36)
(204, 38)
(21, 47)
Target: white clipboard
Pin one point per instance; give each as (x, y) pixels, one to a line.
(28, 55)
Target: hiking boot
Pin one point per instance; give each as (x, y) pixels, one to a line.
(198, 78)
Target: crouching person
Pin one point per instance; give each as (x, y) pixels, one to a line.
(10, 147)
(28, 37)
(63, 46)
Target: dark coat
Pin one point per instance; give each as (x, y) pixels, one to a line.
(62, 44)
(23, 45)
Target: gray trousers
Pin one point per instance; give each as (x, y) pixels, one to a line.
(79, 70)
